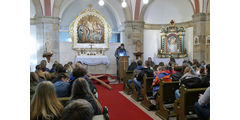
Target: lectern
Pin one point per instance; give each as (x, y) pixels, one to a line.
(123, 66)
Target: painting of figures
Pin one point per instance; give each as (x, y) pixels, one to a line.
(90, 30)
(172, 44)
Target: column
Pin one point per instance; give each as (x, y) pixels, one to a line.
(47, 29)
(133, 33)
(201, 23)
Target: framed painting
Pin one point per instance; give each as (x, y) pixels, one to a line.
(90, 31)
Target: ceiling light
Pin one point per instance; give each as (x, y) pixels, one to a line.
(124, 4)
(145, 1)
(101, 2)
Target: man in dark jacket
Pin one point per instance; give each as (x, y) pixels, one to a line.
(120, 51)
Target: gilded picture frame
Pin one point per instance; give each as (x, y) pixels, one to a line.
(89, 30)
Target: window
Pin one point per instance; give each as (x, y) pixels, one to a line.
(115, 37)
(64, 37)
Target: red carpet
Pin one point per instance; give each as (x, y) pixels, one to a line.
(120, 108)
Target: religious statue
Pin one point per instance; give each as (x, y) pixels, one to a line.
(138, 46)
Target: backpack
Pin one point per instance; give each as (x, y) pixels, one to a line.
(194, 82)
(146, 71)
(176, 76)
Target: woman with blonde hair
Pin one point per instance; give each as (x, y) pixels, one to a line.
(45, 105)
(81, 90)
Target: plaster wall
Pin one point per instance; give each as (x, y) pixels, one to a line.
(162, 11)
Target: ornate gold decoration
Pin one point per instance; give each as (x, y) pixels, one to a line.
(89, 46)
(172, 38)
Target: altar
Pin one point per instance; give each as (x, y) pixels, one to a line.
(157, 60)
(94, 64)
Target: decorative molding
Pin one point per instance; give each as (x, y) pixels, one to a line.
(160, 26)
(45, 19)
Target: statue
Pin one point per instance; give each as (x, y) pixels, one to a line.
(138, 46)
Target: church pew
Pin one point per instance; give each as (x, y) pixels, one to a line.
(184, 106)
(129, 75)
(64, 100)
(146, 91)
(134, 92)
(166, 96)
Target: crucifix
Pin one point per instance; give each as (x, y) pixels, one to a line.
(91, 48)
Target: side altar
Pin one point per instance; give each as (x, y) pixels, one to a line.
(90, 34)
(172, 39)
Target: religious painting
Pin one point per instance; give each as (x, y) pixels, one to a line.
(90, 32)
(196, 40)
(172, 43)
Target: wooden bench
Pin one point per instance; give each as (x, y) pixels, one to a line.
(166, 98)
(146, 91)
(64, 100)
(134, 91)
(126, 88)
(184, 106)
(103, 116)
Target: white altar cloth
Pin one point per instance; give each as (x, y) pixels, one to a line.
(166, 60)
(93, 60)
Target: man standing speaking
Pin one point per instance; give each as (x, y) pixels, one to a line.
(120, 51)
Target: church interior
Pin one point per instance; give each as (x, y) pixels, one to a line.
(120, 59)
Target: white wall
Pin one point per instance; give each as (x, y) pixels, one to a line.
(152, 42)
(162, 11)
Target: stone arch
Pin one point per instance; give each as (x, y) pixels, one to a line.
(144, 10)
(38, 8)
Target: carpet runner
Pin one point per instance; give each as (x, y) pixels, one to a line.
(120, 108)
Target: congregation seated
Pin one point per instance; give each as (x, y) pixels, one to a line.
(81, 90)
(137, 82)
(80, 72)
(59, 70)
(43, 64)
(34, 79)
(162, 73)
(78, 109)
(202, 107)
(192, 80)
(150, 62)
(132, 66)
(44, 104)
(62, 86)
